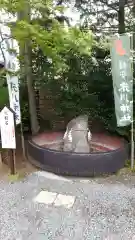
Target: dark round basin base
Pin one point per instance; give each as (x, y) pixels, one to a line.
(109, 155)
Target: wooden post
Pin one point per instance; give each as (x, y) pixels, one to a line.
(0, 158)
(132, 145)
(132, 124)
(22, 141)
(12, 161)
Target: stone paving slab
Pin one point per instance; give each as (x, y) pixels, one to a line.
(44, 206)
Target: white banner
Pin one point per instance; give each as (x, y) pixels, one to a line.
(9, 51)
(13, 89)
(7, 129)
(122, 74)
(12, 65)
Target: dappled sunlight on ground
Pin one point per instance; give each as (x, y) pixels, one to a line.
(52, 176)
(54, 198)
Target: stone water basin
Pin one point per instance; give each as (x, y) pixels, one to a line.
(108, 155)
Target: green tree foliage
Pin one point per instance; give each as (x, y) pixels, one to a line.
(106, 17)
(84, 87)
(70, 59)
(37, 26)
(45, 31)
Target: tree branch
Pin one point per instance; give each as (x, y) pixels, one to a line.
(114, 6)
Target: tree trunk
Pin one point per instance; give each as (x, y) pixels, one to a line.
(133, 13)
(121, 16)
(133, 29)
(26, 71)
(31, 92)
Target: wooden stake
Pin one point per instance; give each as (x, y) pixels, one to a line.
(132, 124)
(12, 161)
(0, 158)
(132, 145)
(22, 140)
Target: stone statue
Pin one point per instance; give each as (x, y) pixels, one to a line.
(77, 136)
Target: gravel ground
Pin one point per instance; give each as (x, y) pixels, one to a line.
(102, 209)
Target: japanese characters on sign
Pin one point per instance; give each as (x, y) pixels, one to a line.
(124, 90)
(7, 129)
(13, 90)
(13, 86)
(10, 49)
(122, 79)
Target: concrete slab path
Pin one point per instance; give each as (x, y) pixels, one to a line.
(44, 206)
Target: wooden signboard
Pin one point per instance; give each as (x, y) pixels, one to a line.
(8, 138)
